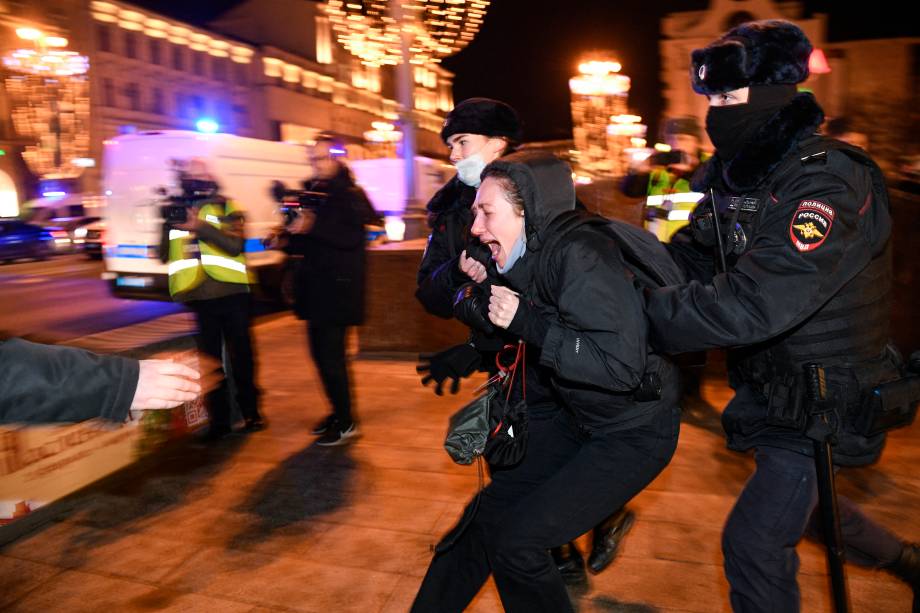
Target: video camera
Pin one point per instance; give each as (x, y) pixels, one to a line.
(668, 158)
(192, 193)
(294, 201)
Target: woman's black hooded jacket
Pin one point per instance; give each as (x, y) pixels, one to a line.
(591, 331)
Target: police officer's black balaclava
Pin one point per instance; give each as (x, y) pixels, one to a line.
(731, 127)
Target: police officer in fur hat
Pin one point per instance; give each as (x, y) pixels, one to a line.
(790, 263)
(477, 131)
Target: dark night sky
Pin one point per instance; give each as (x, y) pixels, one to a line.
(527, 49)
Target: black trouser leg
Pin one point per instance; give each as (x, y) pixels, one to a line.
(238, 338)
(768, 521)
(327, 347)
(605, 473)
(565, 485)
(209, 341)
(455, 576)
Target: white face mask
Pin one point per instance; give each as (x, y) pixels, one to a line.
(470, 168)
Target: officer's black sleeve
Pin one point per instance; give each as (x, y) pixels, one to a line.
(694, 260)
(439, 274)
(599, 336)
(52, 383)
(779, 281)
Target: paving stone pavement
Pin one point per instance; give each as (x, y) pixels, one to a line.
(272, 522)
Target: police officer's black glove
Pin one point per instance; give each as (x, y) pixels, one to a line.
(471, 306)
(454, 363)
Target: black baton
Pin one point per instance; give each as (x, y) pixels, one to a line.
(821, 434)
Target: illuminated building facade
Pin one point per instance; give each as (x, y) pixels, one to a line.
(267, 69)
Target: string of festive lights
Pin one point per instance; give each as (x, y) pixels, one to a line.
(437, 28)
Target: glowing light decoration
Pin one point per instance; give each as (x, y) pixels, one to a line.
(437, 28)
(49, 102)
(603, 130)
(817, 62)
(383, 132)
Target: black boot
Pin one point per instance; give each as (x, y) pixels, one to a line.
(907, 568)
(570, 564)
(607, 537)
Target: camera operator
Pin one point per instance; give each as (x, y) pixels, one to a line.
(203, 243)
(328, 232)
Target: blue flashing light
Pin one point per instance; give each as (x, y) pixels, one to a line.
(54, 194)
(209, 126)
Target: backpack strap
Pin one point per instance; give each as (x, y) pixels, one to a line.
(558, 228)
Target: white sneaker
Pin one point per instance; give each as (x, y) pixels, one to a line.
(335, 436)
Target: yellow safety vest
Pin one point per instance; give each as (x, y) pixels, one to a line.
(190, 262)
(669, 204)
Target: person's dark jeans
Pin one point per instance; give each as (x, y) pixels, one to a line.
(327, 348)
(566, 484)
(770, 517)
(226, 320)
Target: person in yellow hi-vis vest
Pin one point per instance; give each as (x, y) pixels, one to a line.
(664, 179)
(207, 272)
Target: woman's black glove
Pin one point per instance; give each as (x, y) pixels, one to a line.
(454, 363)
(471, 306)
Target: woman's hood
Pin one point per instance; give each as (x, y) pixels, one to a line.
(546, 186)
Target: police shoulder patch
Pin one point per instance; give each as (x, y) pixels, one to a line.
(811, 224)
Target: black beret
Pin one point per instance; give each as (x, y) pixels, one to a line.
(483, 116)
(765, 52)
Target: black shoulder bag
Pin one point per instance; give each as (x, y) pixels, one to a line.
(489, 426)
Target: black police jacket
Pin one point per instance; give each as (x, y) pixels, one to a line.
(439, 276)
(804, 225)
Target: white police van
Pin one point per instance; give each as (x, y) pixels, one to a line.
(136, 168)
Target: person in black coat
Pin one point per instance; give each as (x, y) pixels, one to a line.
(477, 132)
(790, 264)
(587, 356)
(330, 280)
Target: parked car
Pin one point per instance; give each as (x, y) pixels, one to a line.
(22, 240)
(64, 217)
(92, 235)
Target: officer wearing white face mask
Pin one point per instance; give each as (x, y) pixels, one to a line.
(477, 131)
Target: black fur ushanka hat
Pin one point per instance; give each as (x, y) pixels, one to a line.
(765, 52)
(483, 116)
